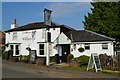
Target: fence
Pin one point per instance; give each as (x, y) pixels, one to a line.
(110, 62)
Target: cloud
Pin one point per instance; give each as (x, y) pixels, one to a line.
(67, 9)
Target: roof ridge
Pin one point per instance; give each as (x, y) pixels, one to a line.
(68, 27)
(80, 30)
(100, 34)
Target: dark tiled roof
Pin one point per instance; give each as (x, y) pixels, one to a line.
(74, 35)
(86, 36)
(38, 25)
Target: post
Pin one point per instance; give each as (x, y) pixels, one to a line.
(47, 20)
(47, 54)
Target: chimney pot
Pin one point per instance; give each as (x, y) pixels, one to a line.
(14, 21)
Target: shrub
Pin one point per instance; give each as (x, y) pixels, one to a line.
(2, 48)
(81, 49)
(70, 56)
(53, 59)
(69, 59)
(83, 59)
(5, 55)
(117, 48)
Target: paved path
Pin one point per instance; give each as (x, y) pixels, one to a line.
(22, 70)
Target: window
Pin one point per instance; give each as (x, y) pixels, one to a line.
(104, 46)
(41, 49)
(14, 35)
(87, 46)
(17, 49)
(49, 36)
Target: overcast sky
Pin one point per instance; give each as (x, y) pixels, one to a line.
(67, 13)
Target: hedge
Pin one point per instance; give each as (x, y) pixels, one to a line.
(83, 59)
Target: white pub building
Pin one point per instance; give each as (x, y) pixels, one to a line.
(64, 40)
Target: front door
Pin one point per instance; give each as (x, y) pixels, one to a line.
(65, 52)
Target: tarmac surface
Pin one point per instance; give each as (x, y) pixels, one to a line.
(26, 70)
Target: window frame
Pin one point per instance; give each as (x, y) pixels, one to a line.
(14, 50)
(17, 49)
(14, 35)
(105, 46)
(87, 46)
(42, 49)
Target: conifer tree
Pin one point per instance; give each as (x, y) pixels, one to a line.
(104, 19)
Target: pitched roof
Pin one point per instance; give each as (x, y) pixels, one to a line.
(30, 26)
(36, 25)
(87, 36)
(74, 35)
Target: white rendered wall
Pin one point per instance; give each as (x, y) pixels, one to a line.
(54, 33)
(32, 38)
(62, 39)
(95, 47)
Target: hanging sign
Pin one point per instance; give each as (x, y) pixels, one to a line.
(94, 61)
(47, 17)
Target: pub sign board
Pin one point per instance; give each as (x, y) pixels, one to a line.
(94, 61)
(32, 56)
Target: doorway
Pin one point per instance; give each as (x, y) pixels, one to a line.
(65, 51)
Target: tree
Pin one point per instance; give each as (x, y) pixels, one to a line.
(104, 19)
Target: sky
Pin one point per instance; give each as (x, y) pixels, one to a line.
(67, 13)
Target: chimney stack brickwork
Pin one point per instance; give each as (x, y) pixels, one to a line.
(14, 21)
(14, 25)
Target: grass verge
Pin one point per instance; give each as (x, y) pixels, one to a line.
(82, 68)
(111, 72)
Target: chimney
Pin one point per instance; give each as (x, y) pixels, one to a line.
(14, 21)
(14, 25)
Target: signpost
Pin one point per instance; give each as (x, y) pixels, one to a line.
(94, 61)
(48, 21)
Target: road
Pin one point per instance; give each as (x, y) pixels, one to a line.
(22, 70)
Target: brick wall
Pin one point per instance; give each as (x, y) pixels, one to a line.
(2, 38)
